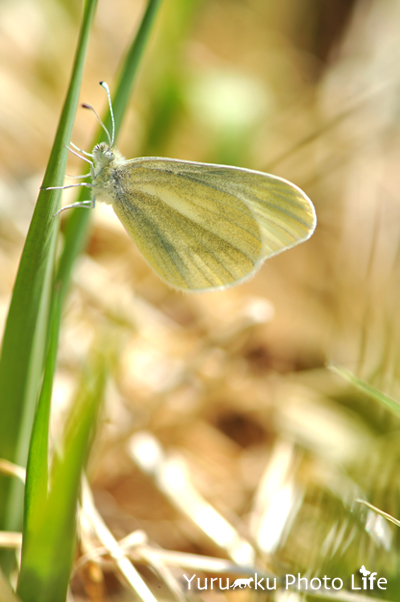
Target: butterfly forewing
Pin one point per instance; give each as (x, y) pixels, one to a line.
(284, 213)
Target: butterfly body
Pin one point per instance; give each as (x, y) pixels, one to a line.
(201, 226)
(103, 172)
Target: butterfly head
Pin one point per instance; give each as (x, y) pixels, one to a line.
(105, 159)
(103, 155)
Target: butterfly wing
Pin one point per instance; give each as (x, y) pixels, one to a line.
(284, 213)
(203, 226)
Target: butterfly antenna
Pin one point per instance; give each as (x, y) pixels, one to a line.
(86, 106)
(107, 89)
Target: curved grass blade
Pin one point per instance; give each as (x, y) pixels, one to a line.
(26, 331)
(50, 535)
(388, 402)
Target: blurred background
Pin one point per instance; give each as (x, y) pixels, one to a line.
(228, 397)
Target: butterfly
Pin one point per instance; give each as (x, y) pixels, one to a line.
(200, 226)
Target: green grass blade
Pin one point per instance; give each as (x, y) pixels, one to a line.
(26, 334)
(36, 486)
(391, 404)
(132, 61)
(49, 546)
(38, 574)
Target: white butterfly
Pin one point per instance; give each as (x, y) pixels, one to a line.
(200, 226)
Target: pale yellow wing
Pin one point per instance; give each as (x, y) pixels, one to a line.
(284, 213)
(204, 226)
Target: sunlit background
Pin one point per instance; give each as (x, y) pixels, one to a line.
(224, 402)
